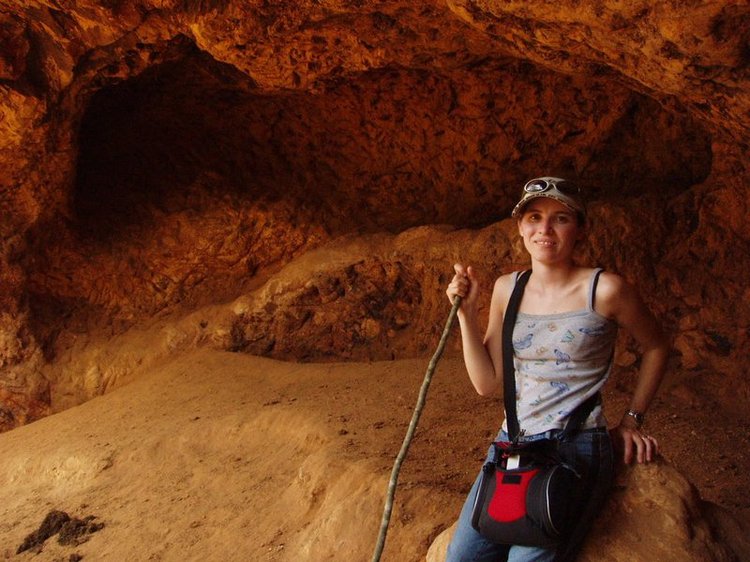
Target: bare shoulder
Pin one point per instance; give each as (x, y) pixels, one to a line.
(505, 281)
(621, 301)
(614, 294)
(502, 290)
(611, 284)
(504, 285)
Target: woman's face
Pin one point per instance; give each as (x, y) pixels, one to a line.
(550, 230)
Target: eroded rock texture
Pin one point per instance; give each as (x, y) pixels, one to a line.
(157, 157)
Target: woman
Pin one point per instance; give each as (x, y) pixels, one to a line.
(563, 344)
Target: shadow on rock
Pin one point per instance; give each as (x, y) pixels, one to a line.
(72, 531)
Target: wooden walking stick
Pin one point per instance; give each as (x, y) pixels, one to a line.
(410, 432)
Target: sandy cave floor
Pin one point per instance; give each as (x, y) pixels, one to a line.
(220, 456)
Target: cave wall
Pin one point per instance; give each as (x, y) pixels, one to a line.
(156, 157)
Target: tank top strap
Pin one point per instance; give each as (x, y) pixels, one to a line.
(592, 287)
(516, 275)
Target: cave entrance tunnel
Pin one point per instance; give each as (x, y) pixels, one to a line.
(236, 171)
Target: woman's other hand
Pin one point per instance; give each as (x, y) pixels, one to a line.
(634, 444)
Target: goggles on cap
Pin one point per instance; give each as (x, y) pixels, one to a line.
(540, 185)
(564, 191)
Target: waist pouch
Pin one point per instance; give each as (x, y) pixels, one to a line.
(531, 504)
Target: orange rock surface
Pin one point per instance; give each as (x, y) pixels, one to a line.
(295, 180)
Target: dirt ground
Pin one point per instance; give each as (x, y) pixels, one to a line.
(225, 456)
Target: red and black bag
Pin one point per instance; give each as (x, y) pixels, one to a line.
(530, 504)
(527, 494)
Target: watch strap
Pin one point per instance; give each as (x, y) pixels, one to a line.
(639, 417)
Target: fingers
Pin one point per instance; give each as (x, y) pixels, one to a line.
(651, 447)
(461, 282)
(643, 447)
(465, 285)
(637, 446)
(647, 447)
(640, 445)
(628, 451)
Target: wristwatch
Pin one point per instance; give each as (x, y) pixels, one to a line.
(639, 417)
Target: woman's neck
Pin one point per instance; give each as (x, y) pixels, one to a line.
(555, 289)
(554, 276)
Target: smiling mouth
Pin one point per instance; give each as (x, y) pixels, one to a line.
(544, 242)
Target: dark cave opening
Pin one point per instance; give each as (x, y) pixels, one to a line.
(387, 150)
(170, 139)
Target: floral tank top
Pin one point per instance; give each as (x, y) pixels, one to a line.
(561, 359)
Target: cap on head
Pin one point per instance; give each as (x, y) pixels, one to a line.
(559, 189)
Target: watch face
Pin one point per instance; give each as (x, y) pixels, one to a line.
(637, 416)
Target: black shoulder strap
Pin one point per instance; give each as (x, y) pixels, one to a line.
(592, 291)
(509, 371)
(577, 417)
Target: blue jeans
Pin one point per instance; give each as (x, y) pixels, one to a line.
(590, 451)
